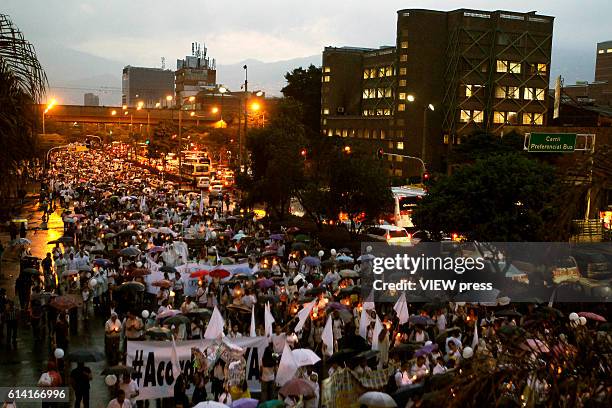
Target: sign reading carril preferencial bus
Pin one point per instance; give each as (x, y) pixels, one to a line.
(552, 143)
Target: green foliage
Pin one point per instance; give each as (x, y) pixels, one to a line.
(505, 197)
(304, 86)
(481, 145)
(161, 142)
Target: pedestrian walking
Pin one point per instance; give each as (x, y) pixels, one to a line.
(10, 318)
(80, 378)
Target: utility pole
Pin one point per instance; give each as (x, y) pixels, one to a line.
(246, 110)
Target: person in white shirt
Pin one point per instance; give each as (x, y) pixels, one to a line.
(419, 369)
(130, 388)
(188, 306)
(402, 377)
(120, 401)
(441, 321)
(439, 368)
(278, 340)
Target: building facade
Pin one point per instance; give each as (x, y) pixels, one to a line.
(194, 74)
(448, 75)
(598, 92)
(150, 86)
(90, 99)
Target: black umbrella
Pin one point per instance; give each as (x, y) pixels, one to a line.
(314, 291)
(117, 370)
(168, 269)
(343, 356)
(508, 313)
(404, 394)
(132, 286)
(368, 354)
(85, 355)
(177, 320)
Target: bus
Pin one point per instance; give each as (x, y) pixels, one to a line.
(197, 169)
(405, 199)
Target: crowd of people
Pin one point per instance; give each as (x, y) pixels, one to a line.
(138, 257)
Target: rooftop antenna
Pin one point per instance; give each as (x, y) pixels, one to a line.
(163, 60)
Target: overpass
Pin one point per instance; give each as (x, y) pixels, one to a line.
(117, 115)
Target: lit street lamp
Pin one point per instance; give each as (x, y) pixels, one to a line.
(426, 108)
(50, 106)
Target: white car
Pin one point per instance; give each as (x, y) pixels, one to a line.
(203, 182)
(216, 188)
(390, 234)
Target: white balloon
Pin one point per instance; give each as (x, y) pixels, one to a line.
(468, 352)
(574, 316)
(139, 264)
(583, 320)
(321, 253)
(93, 283)
(110, 380)
(58, 353)
(213, 234)
(145, 314)
(333, 252)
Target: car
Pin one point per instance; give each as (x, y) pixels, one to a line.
(203, 182)
(390, 234)
(216, 187)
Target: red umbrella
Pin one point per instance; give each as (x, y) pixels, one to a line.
(296, 388)
(64, 303)
(592, 316)
(164, 283)
(139, 272)
(219, 273)
(199, 274)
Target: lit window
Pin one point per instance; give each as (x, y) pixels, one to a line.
(512, 118)
(539, 118)
(366, 74)
(330, 132)
(366, 133)
(388, 92)
(465, 116)
(326, 111)
(387, 112)
(324, 121)
(379, 112)
(401, 107)
(365, 112)
(326, 78)
(382, 134)
(402, 96)
(344, 132)
(399, 158)
(499, 117)
(380, 93)
(514, 67)
(381, 72)
(372, 72)
(404, 44)
(390, 145)
(529, 94)
(389, 71)
(600, 51)
(513, 92)
(402, 82)
(540, 93)
(477, 116)
(327, 69)
(470, 90)
(533, 119)
(400, 145)
(502, 66)
(500, 92)
(403, 71)
(609, 50)
(542, 68)
(404, 57)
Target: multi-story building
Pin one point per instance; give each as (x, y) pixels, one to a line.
(448, 75)
(194, 74)
(150, 86)
(90, 99)
(598, 92)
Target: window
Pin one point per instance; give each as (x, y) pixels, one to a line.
(388, 92)
(398, 172)
(600, 51)
(499, 117)
(465, 116)
(477, 116)
(402, 82)
(390, 145)
(401, 107)
(404, 57)
(382, 134)
(400, 145)
(379, 112)
(381, 72)
(380, 93)
(366, 133)
(365, 112)
(533, 119)
(529, 94)
(512, 118)
(326, 111)
(502, 66)
(514, 67)
(402, 96)
(399, 134)
(326, 78)
(513, 92)
(470, 90)
(539, 93)
(399, 158)
(389, 70)
(541, 69)
(369, 93)
(366, 74)
(330, 132)
(327, 69)
(404, 44)
(500, 92)
(324, 121)
(344, 132)
(387, 112)
(403, 71)
(374, 134)
(609, 50)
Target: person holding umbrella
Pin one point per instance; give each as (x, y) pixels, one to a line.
(80, 378)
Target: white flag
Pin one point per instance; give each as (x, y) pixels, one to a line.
(475, 339)
(378, 326)
(176, 367)
(303, 315)
(364, 322)
(268, 320)
(253, 333)
(401, 308)
(328, 336)
(214, 330)
(287, 367)
(368, 303)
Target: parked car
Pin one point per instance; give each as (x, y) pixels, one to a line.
(390, 234)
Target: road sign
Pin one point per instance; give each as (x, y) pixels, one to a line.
(552, 142)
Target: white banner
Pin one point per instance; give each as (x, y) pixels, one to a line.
(152, 363)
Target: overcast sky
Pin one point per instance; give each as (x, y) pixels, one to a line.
(139, 32)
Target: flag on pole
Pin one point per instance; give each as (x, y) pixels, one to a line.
(364, 322)
(214, 330)
(252, 334)
(287, 367)
(176, 366)
(328, 336)
(401, 308)
(268, 320)
(378, 326)
(303, 315)
(475, 339)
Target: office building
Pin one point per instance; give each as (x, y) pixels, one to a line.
(90, 99)
(150, 86)
(449, 74)
(598, 92)
(194, 74)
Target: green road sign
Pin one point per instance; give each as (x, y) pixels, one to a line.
(552, 142)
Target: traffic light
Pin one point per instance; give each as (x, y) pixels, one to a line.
(381, 153)
(426, 177)
(304, 153)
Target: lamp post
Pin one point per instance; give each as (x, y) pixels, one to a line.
(246, 114)
(50, 106)
(426, 108)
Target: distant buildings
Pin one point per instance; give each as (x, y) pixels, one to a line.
(447, 75)
(195, 73)
(148, 85)
(90, 99)
(598, 92)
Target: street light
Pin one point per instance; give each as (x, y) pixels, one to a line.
(113, 112)
(426, 108)
(50, 106)
(214, 109)
(124, 107)
(255, 106)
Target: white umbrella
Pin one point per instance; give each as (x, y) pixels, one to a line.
(166, 230)
(377, 399)
(210, 404)
(305, 357)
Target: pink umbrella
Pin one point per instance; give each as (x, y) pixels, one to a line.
(592, 316)
(534, 345)
(168, 313)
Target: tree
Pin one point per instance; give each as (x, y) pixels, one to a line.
(501, 198)
(304, 86)
(22, 84)
(482, 144)
(161, 143)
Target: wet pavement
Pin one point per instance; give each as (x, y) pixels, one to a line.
(24, 365)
